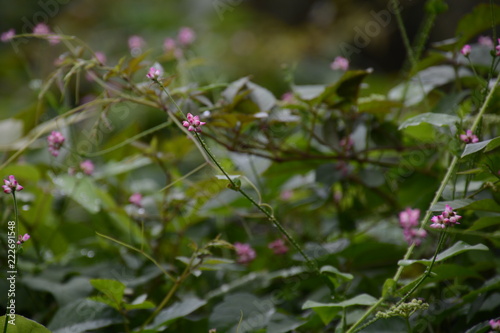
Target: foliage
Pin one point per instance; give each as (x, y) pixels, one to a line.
(277, 215)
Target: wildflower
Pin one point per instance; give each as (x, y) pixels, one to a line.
(169, 44)
(11, 185)
(340, 63)
(87, 167)
(101, 57)
(288, 97)
(8, 35)
(22, 238)
(135, 199)
(244, 252)
(193, 123)
(278, 246)
(41, 29)
(135, 44)
(466, 50)
(346, 143)
(154, 73)
(448, 217)
(408, 219)
(485, 41)
(497, 48)
(55, 140)
(469, 137)
(495, 324)
(186, 36)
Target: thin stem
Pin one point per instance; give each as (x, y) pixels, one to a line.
(139, 251)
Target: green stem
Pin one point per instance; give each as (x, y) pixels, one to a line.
(428, 214)
(270, 216)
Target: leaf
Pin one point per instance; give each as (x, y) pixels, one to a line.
(308, 92)
(436, 119)
(363, 299)
(345, 90)
(253, 312)
(335, 275)
(475, 22)
(112, 291)
(64, 293)
(20, 324)
(181, 309)
(487, 145)
(83, 315)
(389, 287)
(485, 222)
(280, 323)
(455, 204)
(457, 248)
(82, 190)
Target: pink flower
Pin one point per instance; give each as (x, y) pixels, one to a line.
(87, 167)
(169, 44)
(278, 246)
(8, 35)
(408, 218)
(55, 140)
(447, 218)
(346, 143)
(193, 123)
(485, 41)
(136, 42)
(495, 324)
(340, 63)
(288, 97)
(466, 50)
(11, 185)
(469, 137)
(41, 29)
(22, 239)
(244, 252)
(135, 199)
(101, 57)
(497, 48)
(154, 73)
(186, 36)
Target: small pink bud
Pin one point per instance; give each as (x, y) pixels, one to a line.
(154, 73)
(11, 185)
(186, 36)
(244, 252)
(8, 35)
(466, 50)
(135, 199)
(340, 63)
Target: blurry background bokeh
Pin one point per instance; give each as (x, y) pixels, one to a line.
(235, 38)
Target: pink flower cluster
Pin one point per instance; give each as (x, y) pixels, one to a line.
(340, 63)
(7, 35)
(87, 167)
(495, 324)
(193, 123)
(11, 185)
(408, 219)
(185, 37)
(135, 199)
(469, 137)
(466, 50)
(55, 140)
(43, 29)
(278, 246)
(153, 73)
(136, 44)
(447, 218)
(22, 238)
(244, 252)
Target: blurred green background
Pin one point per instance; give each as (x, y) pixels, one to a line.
(265, 39)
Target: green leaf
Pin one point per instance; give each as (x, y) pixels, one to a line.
(64, 293)
(485, 222)
(475, 22)
(436, 119)
(83, 315)
(336, 276)
(254, 313)
(362, 299)
(112, 291)
(455, 204)
(82, 190)
(181, 309)
(487, 145)
(457, 248)
(389, 287)
(280, 323)
(20, 324)
(345, 91)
